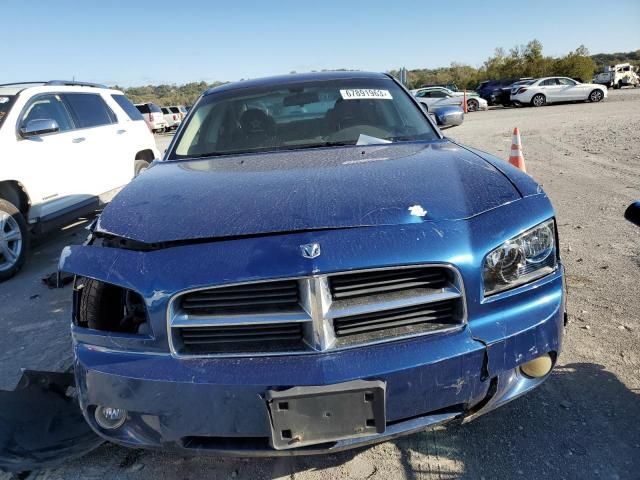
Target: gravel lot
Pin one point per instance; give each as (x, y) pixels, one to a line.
(582, 423)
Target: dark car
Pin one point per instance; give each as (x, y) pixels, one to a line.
(504, 96)
(312, 267)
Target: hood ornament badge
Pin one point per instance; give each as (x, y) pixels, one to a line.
(310, 250)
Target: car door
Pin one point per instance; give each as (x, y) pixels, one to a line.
(570, 90)
(106, 164)
(48, 162)
(551, 89)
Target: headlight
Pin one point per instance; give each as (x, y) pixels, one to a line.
(522, 259)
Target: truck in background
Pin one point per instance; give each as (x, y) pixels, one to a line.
(618, 76)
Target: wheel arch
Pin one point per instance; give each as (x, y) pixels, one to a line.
(14, 192)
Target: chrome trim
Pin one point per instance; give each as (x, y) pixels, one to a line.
(318, 311)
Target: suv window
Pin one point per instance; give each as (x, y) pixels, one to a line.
(48, 107)
(128, 107)
(154, 108)
(143, 108)
(174, 109)
(89, 109)
(165, 110)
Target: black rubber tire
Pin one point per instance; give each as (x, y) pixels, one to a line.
(100, 305)
(139, 167)
(593, 98)
(472, 105)
(11, 209)
(538, 95)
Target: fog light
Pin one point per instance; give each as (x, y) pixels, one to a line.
(110, 418)
(538, 367)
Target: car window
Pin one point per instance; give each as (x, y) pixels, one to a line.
(174, 109)
(128, 107)
(143, 108)
(165, 110)
(438, 94)
(566, 81)
(89, 109)
(301, 115)
(154, 108)
(48, 107)
(548, 82)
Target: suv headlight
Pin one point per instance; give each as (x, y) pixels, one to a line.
(522, 259)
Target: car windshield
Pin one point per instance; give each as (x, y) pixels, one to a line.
(302, 115)
(6, 101)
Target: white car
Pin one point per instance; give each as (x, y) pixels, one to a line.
(180, 110)
(439, 96)
(556, 89)
(66, 148)
(153, 115)
(173, 119)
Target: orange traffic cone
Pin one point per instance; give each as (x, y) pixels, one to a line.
(516, 158)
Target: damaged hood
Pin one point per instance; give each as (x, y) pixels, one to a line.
(303, 190)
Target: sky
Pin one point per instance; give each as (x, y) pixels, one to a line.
(137, 42)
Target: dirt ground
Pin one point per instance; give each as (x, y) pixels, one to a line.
(583, 423)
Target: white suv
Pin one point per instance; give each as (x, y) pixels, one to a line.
(66, 148)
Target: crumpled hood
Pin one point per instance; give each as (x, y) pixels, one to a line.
(302, 190)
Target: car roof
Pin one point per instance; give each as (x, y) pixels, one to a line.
(55, 85)
(296, 78)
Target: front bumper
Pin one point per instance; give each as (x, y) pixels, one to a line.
(218, 406)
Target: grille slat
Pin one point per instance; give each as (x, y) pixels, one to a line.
(244, 338)
(355, 285)
(253, 298)
(430, 316)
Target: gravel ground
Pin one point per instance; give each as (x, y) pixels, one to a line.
(583, 423)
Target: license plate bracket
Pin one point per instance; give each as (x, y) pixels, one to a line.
(303, 416)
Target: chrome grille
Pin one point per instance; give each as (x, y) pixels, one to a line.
(317, 313)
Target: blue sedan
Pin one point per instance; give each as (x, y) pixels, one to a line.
(312, 267)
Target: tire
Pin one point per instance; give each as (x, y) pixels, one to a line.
(472, 105)
(538, 100)
(100, 305)
(596, 95)
(140, 166)
(618, 86)
(14, 240)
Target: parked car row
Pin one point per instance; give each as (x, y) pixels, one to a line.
(162, 119)
(66, 148)
(539, 91)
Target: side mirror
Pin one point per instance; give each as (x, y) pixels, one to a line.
(448, 116)
(39, 126)
(633, 213)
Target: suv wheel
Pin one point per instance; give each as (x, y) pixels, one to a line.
(14, 240)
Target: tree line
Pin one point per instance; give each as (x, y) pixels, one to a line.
(517, 62)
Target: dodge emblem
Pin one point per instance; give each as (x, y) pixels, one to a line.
(310, 250)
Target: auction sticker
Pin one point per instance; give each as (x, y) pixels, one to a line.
(365, 93)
